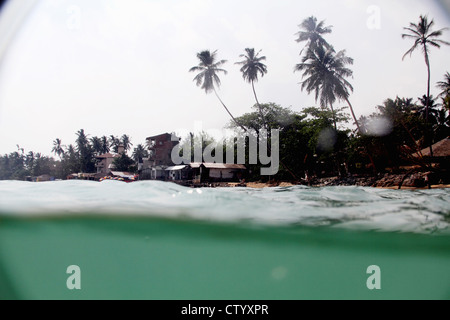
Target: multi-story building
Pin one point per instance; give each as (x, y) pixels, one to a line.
(160, 156)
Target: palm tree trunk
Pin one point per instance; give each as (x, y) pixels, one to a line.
(360, 132)
(259, 106)
(334, 117)
(245, 130)
(338, 160)
(427, 61)
(353, 114)
(234, 119)
(265, 126)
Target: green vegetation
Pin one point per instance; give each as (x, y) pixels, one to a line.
(79, 157)
(424, 38)
(316, 141)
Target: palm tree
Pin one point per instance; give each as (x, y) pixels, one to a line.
(58, 148)
(326, 74)
(114, 142)
(427, 106)
(126, 142)
(82, 141)
(251, 68)
(441, 128)
(139, 153)
(70, 150)
(207, 77)
(312, 32)
(85, 151)
(71, 158)
(444, 86)
(29, 161)
(97, 145)
(425, 38)
(105, 144)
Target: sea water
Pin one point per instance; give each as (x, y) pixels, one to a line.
(160, 240)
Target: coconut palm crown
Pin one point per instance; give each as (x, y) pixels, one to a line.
(208, 69)
(251, 68)
(326, 73)
(313, 32)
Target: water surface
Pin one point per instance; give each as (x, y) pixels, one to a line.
(157, 240)
(361, 208)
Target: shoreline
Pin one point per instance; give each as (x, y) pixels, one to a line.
(261, 185)
(414, 181)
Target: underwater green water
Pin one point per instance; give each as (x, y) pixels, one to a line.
(162, 241)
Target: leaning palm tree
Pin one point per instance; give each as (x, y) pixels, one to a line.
(207, 77)
(444, 86)
(312, 32)
(424, 38)
(251, 68)
(326, 73)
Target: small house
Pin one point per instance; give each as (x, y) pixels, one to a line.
(441, 152)
(180, 172)
(215, 172)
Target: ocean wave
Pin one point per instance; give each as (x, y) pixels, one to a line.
(361, 208)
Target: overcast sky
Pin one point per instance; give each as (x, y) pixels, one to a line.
(114, 67)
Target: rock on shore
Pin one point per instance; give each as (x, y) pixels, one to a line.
(414, 180)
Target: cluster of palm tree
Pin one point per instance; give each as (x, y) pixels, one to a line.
(19, 165)
(81, 156)
(425, 38)
(252, 67)
(94, 144)
(209, 67)
(325, 71)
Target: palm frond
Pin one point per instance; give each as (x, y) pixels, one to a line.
(414, 31)
(411, 50)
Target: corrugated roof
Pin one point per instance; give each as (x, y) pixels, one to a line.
(175, 168)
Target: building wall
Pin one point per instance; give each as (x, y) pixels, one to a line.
(221, 173)
(103, 166)
(161, 150)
